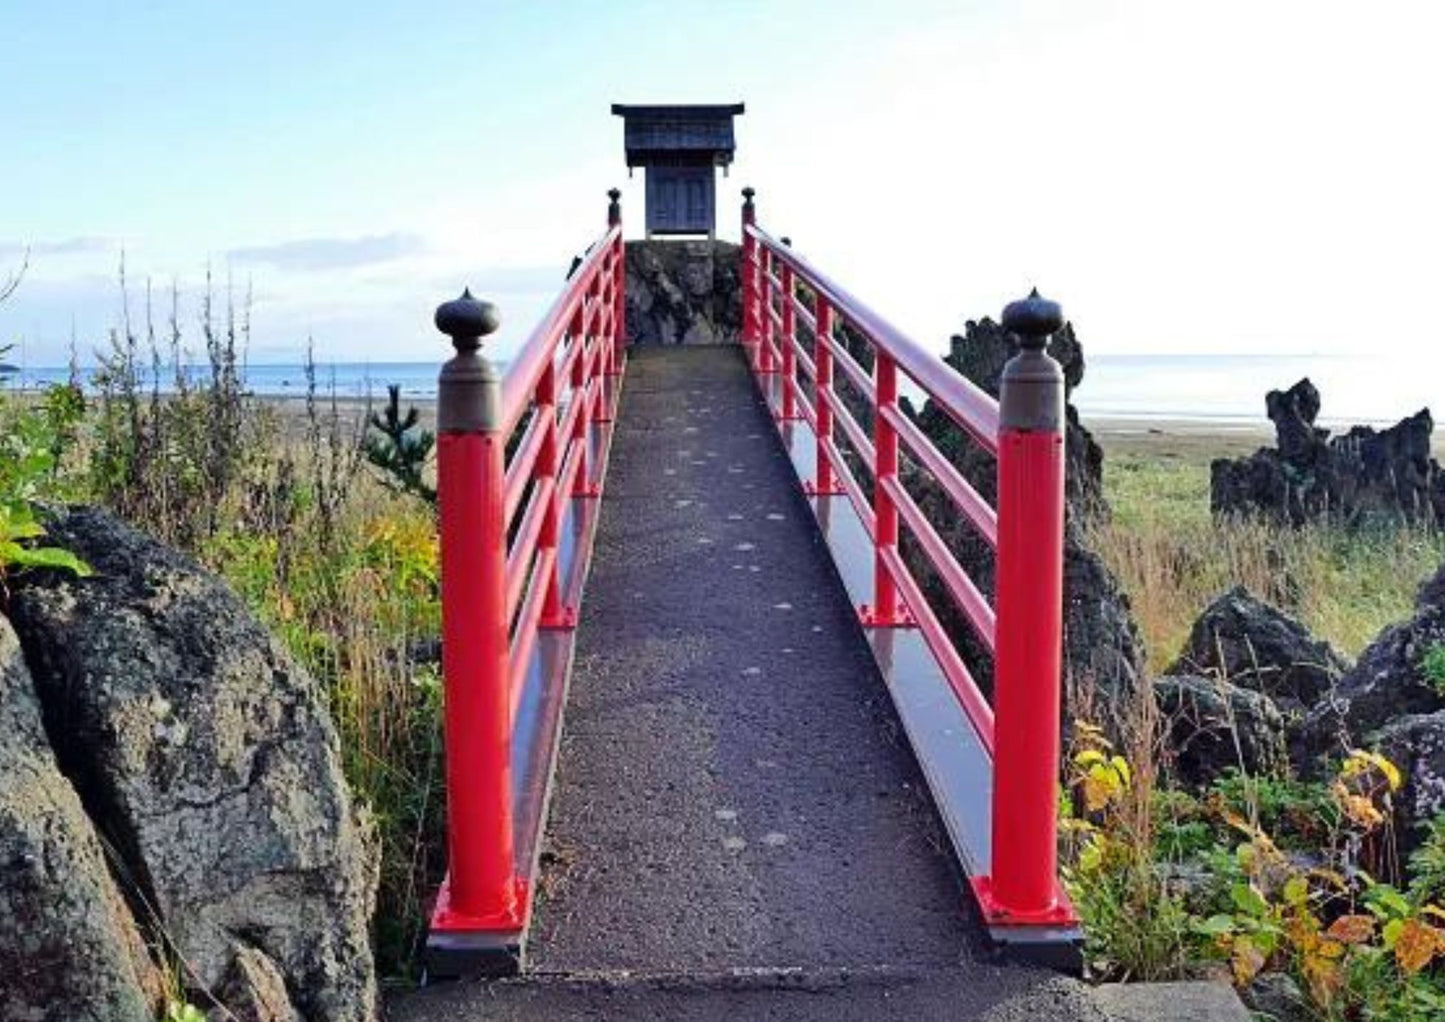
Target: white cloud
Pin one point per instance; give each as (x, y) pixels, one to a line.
(331, 253)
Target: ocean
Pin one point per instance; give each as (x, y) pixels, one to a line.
(1223, 389)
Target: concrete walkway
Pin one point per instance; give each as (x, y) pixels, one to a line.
(738, 828)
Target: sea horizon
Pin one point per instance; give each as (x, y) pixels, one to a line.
(1223, 389)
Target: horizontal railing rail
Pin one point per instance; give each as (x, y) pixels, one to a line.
(863, 430)
(516, 453)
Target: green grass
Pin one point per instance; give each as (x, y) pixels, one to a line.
(1433, 665)
(1172, 558)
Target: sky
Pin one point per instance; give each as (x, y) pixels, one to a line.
(1185, 177)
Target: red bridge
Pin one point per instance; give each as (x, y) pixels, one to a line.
(696, 555)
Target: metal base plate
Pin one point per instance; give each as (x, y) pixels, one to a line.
(473, 955)
(1057, 948)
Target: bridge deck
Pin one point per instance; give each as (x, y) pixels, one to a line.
(734, 796)
(733, 789)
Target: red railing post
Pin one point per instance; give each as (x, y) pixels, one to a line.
(607, 344)
(548, 465)
(750, 281)
(482, 889)
(1023, 886)
(790, 331)
(884, 610)
(765, 292)
(581, 386)
(619, 284)
(599, 353)
(823, 483)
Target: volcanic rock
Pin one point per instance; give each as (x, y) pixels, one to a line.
(1360, 477)
(69, 944)
(208, 757)
(1251, 644)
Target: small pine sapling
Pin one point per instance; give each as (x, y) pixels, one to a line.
(399, 447)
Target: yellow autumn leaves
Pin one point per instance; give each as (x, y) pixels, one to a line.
(1273, 910)
(1363, 787)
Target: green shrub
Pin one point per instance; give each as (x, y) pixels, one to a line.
(34, 436)
(1427, 864)
(1299, 814)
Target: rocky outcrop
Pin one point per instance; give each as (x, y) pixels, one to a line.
(683, 292)
(980, 354)
(1250, 644)
(70, 949)
(1361, 476)
(1388, 682)
(1213, 725)
(1103, 653)
(206, 755)
(1276, 996)
(1243, 688)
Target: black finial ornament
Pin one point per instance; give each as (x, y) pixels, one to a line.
(748, 194)
(1033, 320)
(466, 320)
(614, 194)
(788, 242)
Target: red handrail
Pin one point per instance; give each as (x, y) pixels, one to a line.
(1023, 628)
(964, 401)
(968, 404)
(501, 573)
(525, 370)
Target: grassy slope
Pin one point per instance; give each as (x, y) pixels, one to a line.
(1172, 558)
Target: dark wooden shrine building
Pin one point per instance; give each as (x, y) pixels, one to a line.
(679, 149)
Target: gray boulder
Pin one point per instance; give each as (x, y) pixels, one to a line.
(1213, 725)
(1277, 997)
(1387, 682)
(209, 756)
(1251, 644)
(254, 991)
(69, 946)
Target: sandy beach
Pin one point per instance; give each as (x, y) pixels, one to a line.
(1193, 440)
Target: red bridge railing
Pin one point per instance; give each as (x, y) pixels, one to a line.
(520, 458)
(1022, 628)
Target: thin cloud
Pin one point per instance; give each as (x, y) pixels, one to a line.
(63, 247)
(332, 253)
(504, 280)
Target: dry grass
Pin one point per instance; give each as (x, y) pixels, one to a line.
(1173, 558)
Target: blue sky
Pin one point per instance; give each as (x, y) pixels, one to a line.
(1229, 176)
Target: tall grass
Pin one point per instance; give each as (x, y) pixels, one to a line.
(1173, 557)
